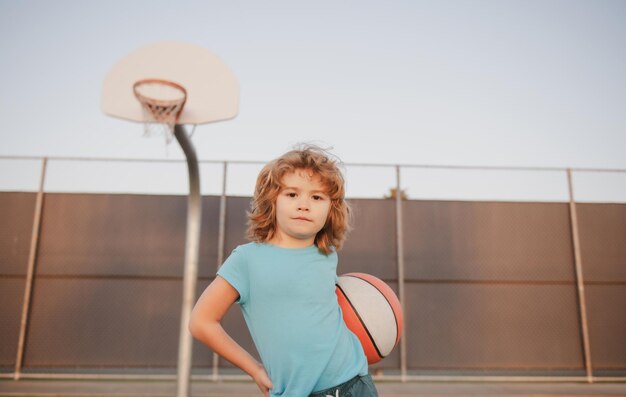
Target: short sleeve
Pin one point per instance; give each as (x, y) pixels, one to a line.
(235, 272)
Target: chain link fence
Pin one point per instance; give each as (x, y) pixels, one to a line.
(504, 273)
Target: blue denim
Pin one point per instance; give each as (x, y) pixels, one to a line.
(359, 386)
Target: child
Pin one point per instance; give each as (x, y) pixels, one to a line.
(284, 282)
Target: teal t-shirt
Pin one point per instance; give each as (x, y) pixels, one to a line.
(287, 296)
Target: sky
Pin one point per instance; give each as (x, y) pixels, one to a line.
(536, 83)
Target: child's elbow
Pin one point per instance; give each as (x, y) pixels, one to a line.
(194, 325)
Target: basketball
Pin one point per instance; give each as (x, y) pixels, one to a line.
(372, 311)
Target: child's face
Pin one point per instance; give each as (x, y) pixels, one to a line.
(302, 208)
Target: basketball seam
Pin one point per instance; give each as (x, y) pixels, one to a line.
(389, 303)
(361, 321)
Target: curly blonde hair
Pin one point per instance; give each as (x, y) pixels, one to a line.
(262, 214)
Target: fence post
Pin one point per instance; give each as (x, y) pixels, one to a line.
(400, 254)
(30, 272)
(220, 250)
(582, 306)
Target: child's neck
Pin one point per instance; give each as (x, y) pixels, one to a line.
(281, 242)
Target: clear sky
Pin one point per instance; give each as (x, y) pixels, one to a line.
(533, 82)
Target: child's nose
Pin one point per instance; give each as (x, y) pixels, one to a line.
(303, 205)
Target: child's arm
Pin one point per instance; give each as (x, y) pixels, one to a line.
(205, 325)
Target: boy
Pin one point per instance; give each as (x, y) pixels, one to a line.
(284, 282)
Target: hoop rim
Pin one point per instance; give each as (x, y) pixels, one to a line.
(173, 107)
(162, 102)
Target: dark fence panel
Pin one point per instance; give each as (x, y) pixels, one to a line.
(93, 322)
(12, 297)
(236, 221)
(493, 327)
(498, 241)
(603, 242)
(121, 235)
(16, 224)
(371, 246)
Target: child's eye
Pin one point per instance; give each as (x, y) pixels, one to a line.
(290, 194)
(317, 198)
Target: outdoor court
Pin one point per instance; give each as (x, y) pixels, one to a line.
(516, 291)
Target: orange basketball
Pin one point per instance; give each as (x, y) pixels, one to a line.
(372, 311)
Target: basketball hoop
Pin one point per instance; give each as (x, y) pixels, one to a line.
(162, 101)
(178, 75)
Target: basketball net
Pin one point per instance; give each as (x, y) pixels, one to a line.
(162, 101)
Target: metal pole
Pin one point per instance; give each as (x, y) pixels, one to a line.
(220, 251)
(579, 278)
(192, 245)
(30, 272)
(400, 253)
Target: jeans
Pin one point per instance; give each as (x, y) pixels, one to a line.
(359, 386)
